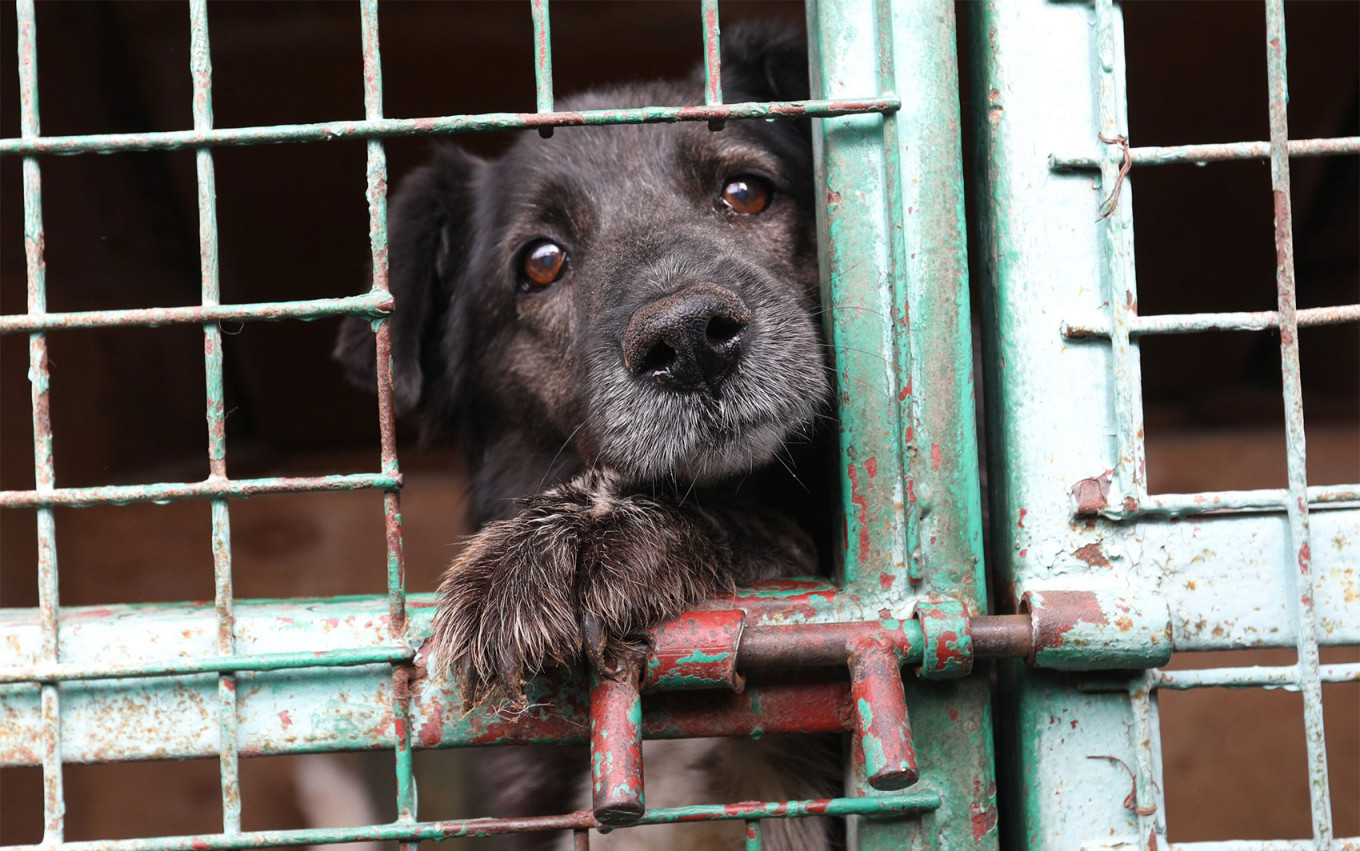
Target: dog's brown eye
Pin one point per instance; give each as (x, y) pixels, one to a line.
(543, 263)
(746, 195)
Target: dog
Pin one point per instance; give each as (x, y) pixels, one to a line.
(620, 324)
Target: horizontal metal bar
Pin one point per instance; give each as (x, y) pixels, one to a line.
(388, 127)
(904, 804)
(1192, 323)
(373, 305)
(1284, 676)
(66, 671)
(170, 491)
(1221, 152)
(1350, 844)
(1276, 499)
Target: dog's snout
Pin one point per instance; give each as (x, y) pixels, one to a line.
(689, 340)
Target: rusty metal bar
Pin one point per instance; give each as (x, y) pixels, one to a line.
(1255, 676)
(373, 305)
(443, 125)
(376, 193)
(1129, 485)
(543, 81)
(882, 741)
(39, 375)
(1305, 617)
(1219, 152)
(616, 745)
(1192, 323)
(899, 805)
(169, 491)
(1267, 499)
(200, 67)
(712, 54)
(74, 671)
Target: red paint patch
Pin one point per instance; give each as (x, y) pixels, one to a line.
(1024, 552)
(1021, 522)
(431, 733)
(283, 716)
(936, 455)
(1092, 555)
(984, 819)
(862, 505)
(886, 580)
(953, 715)
(871, 466)
(901, 397)
(1305, 558)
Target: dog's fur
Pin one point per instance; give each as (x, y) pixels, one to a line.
(611, 495)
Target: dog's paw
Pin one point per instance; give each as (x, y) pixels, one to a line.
(582, 571)
(507, 604)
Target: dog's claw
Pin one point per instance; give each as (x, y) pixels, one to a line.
(593, 643)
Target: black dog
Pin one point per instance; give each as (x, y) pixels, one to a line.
(620, 323)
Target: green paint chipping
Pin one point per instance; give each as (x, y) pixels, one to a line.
(699, 657)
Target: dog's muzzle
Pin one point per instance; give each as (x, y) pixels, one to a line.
(690, 340)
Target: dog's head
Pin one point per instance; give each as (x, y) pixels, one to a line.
(642, 294)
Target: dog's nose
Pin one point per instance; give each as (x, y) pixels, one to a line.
(689, 340)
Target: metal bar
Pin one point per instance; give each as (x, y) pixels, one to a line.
(1267, 499)
(1129, 479)
(543, 81)
(1224, 152)
(906, 804)
(753, 841)
(1305, 619)
(1256, 676)
(401, 127)
(234, 663)
(200, 67)
(1352, 844)
(712, 54)
(376, 193)
(1145, 806)
(372, 305)
(616, 786)
(1191, 323)
(39, 376)
(169, 491)
(882, 740)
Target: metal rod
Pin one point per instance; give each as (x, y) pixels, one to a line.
(481, 123)
(372, 305)
(543, 79)
(1267, 499)
(48, 672)
(54, 800)
(1305, 618)
(1222, 152)
(170, 491)
(904, 804)
(1191, 323)
(712, 54)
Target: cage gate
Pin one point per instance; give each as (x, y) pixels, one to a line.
(1072, 512)
(246, 678)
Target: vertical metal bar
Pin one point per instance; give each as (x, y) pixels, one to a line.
(543, 82)
(753, 835)
(712, 51)
(1146, 807)
(616, 782)
(200, 62)
(39, 376)
(901, 309)
(1305, 620)
(376, 178)
(1129, 486)
(580, 840)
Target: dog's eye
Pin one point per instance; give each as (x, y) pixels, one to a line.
(746, 195)
(544, 262)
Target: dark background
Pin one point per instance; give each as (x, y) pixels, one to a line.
(127, 404)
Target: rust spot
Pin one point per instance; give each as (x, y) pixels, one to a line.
(1124, 622)
(283, 716)
(953, 714)
(862, 511)
(871, 466)
(936, 455)
(1130, 504)
(1305, 558)
(832, 197)
(1024, 552)
(886, 580)
(431, 733)
(1092, 555)
(1063, 611)
(1092, 495)
(984, 820)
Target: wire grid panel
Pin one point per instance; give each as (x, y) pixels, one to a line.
(91, 687)
(1234, 569)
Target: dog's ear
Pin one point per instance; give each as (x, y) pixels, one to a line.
(764, 62)
(430, 226)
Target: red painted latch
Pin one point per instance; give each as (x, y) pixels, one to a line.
(616, 745)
